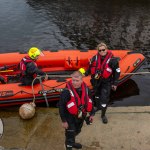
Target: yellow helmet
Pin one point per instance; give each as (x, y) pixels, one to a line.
(34, 52)
(82, 70)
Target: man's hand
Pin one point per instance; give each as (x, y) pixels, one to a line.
(65, 125)
(86, 73)
(114, 87)
(91, 118)
(46, 77)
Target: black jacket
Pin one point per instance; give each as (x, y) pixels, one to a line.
(31, 70)
(64, 98)
(114, 64)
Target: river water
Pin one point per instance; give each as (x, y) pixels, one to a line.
(76, 24)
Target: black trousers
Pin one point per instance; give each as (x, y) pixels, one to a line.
(102, 90)
(75, 125)
(27, 80)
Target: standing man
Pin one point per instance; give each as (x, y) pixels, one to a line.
(29, 69)
(75, 103)
(105, 72)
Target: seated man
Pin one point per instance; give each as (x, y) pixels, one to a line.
(29, 69)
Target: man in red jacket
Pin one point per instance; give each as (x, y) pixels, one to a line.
(29, 69)
(105, 72)
(74, 105)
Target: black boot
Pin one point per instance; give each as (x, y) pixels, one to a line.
(104, 119)
(68, 147)
(77, 145)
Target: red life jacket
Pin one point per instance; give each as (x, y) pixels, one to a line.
(75, 102)
(102, 68)
(23, 64)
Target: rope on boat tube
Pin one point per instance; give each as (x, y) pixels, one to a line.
(33, 90)
(42, 85)
(44, 94)
(136, 73)
(39, 78)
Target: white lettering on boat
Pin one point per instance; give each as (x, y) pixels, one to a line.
(6, 93)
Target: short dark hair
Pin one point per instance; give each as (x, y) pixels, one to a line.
(77, 74)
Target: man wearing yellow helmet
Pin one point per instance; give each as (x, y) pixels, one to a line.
(34, 53)
(28, 67)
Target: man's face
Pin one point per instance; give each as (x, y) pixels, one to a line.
(102, 50)
(36, 58)
(76, 81)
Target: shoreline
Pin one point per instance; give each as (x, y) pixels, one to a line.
(128, 128)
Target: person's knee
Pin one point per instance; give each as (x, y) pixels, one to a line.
(104, 105)
(97, 101)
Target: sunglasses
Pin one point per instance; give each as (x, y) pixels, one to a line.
(101, 50)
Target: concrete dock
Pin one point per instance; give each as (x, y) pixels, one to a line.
(128, 129)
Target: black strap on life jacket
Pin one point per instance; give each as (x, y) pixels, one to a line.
(85, 97)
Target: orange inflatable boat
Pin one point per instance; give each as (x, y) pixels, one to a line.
(60, 62)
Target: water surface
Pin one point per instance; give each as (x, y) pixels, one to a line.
(69, 24)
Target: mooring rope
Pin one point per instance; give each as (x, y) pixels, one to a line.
(33, 89)
(39, 78)
(68, 76)
(135, 73)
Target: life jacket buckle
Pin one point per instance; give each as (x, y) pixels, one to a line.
(80, 113)
(98, 74)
